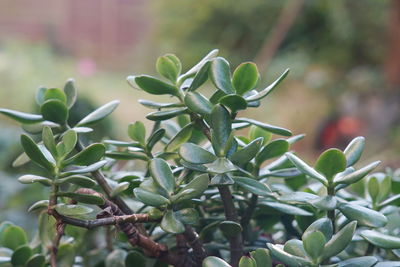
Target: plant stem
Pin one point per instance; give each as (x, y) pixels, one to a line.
(245, 221)
(331, 213)
(59, 225)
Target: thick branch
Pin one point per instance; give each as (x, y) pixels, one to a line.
(195, 243)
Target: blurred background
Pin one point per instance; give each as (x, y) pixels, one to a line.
(344, 57)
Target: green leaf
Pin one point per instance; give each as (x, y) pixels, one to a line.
(362, 215)
(269, 89)
(171, 224)
(285, 208)
(68, 143)
(156, 105)
(155, 86)
(98, 114)
(270, 128)
(21, 255)
(324, 203)
(366, 261)
(87, 169)
(198, 66)
(373, 188)
(78, 180)
(83, 198)
(256, 132)
(40, 95)
(253, 186)
(55, 93)
(295, 139)
(137, 132)
(274, 149)
(198, 103)
(39, 205)
(72, 210)
(21, 117)
(71, 92)
(354, 150)
(135, 259)
(339, 241)
(150, 198)
(331, 162)
(154, 138)
(121, 187)
(221, 166)
(313, 243)
(180, 138)
(91, 154)
(245, 77)
(195, 154)
(306, 169)
(29, 179)
(247, 261)
(162, 174)
(125, 156)
(201, 77)
(282, 256)
(165, 115)
(48, 140)
(220, 75)
(233, 102)
(222, 179)
(198, 185)
(55, 111)
(262, 257)
(356, 175)
(221, 128)
(34, 153)
(295, 247)
(188, 216)
(213, 261)
(247, 153)
(297, 197)
(37, 260)
(168, 68)
(323, 225)
(381, 240)
(230, 228)
(13, 237)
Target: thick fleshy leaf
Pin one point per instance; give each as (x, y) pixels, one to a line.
(180, 138)
(256, 132)
(357, 175)
(156, 105)
(78, 180)
(213, 261)
(137, 132)
(37, 260)
(39, 205)
(389, 201)
(354, 150)
(274, 149)
(21, 255)
(162, 174)
(313, 243)
(331, 162)
(339, 241)
(220, 166)
(366, 261)
(230, 228)
(55, 93)
(91, 154)
(247, 261)
(154, 138)
(171, 224)
(72, 210)
(99, 114)
(269, 89)
(381, 240)
(289, 259)
(83, 198)
(362, 215)
(268, 127)
(188, 216)
(323, 225)
(306, 169)
(197, 186)
(262, 257)
(167, 67)
(150, 198)
(34, 153)
(285, 208)
(297, 197)
(221, 128)
(87, 169)
(247, 153)
(295, 247)
(13, 237)
(245, 77)
(166, 114)
(295, 138)
(220, 75)
(373, 188)
(48, 140)
(121, 187)
(198, 103)
(29, 179)
(55, 111)
(212, 54)
(324, 203)
(21, 117)
(125, 156)
(201, 77)
(233, 102)
(68, 143)
(253, 186)
(222, 179)
(155, 86)
(71, 92)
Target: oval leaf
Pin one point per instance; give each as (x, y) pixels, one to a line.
(274, 149)
(34, 153)
(245, 77)
(198, 103)
(171, 224)
(363, 216)
(339, 241)
(162, 174)
(381, 240)
(354, 150)
(88, 156)
(331, 162)
(98, 114)
(247, 153)
(268, 127)
(180, 138)
(21, 117)
(150, 198)
(72, 210)
(83, 198)
(155, 86)
(220, 75)
(55, 111)
(253, 186)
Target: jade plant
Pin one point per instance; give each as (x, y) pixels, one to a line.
(202, 187)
